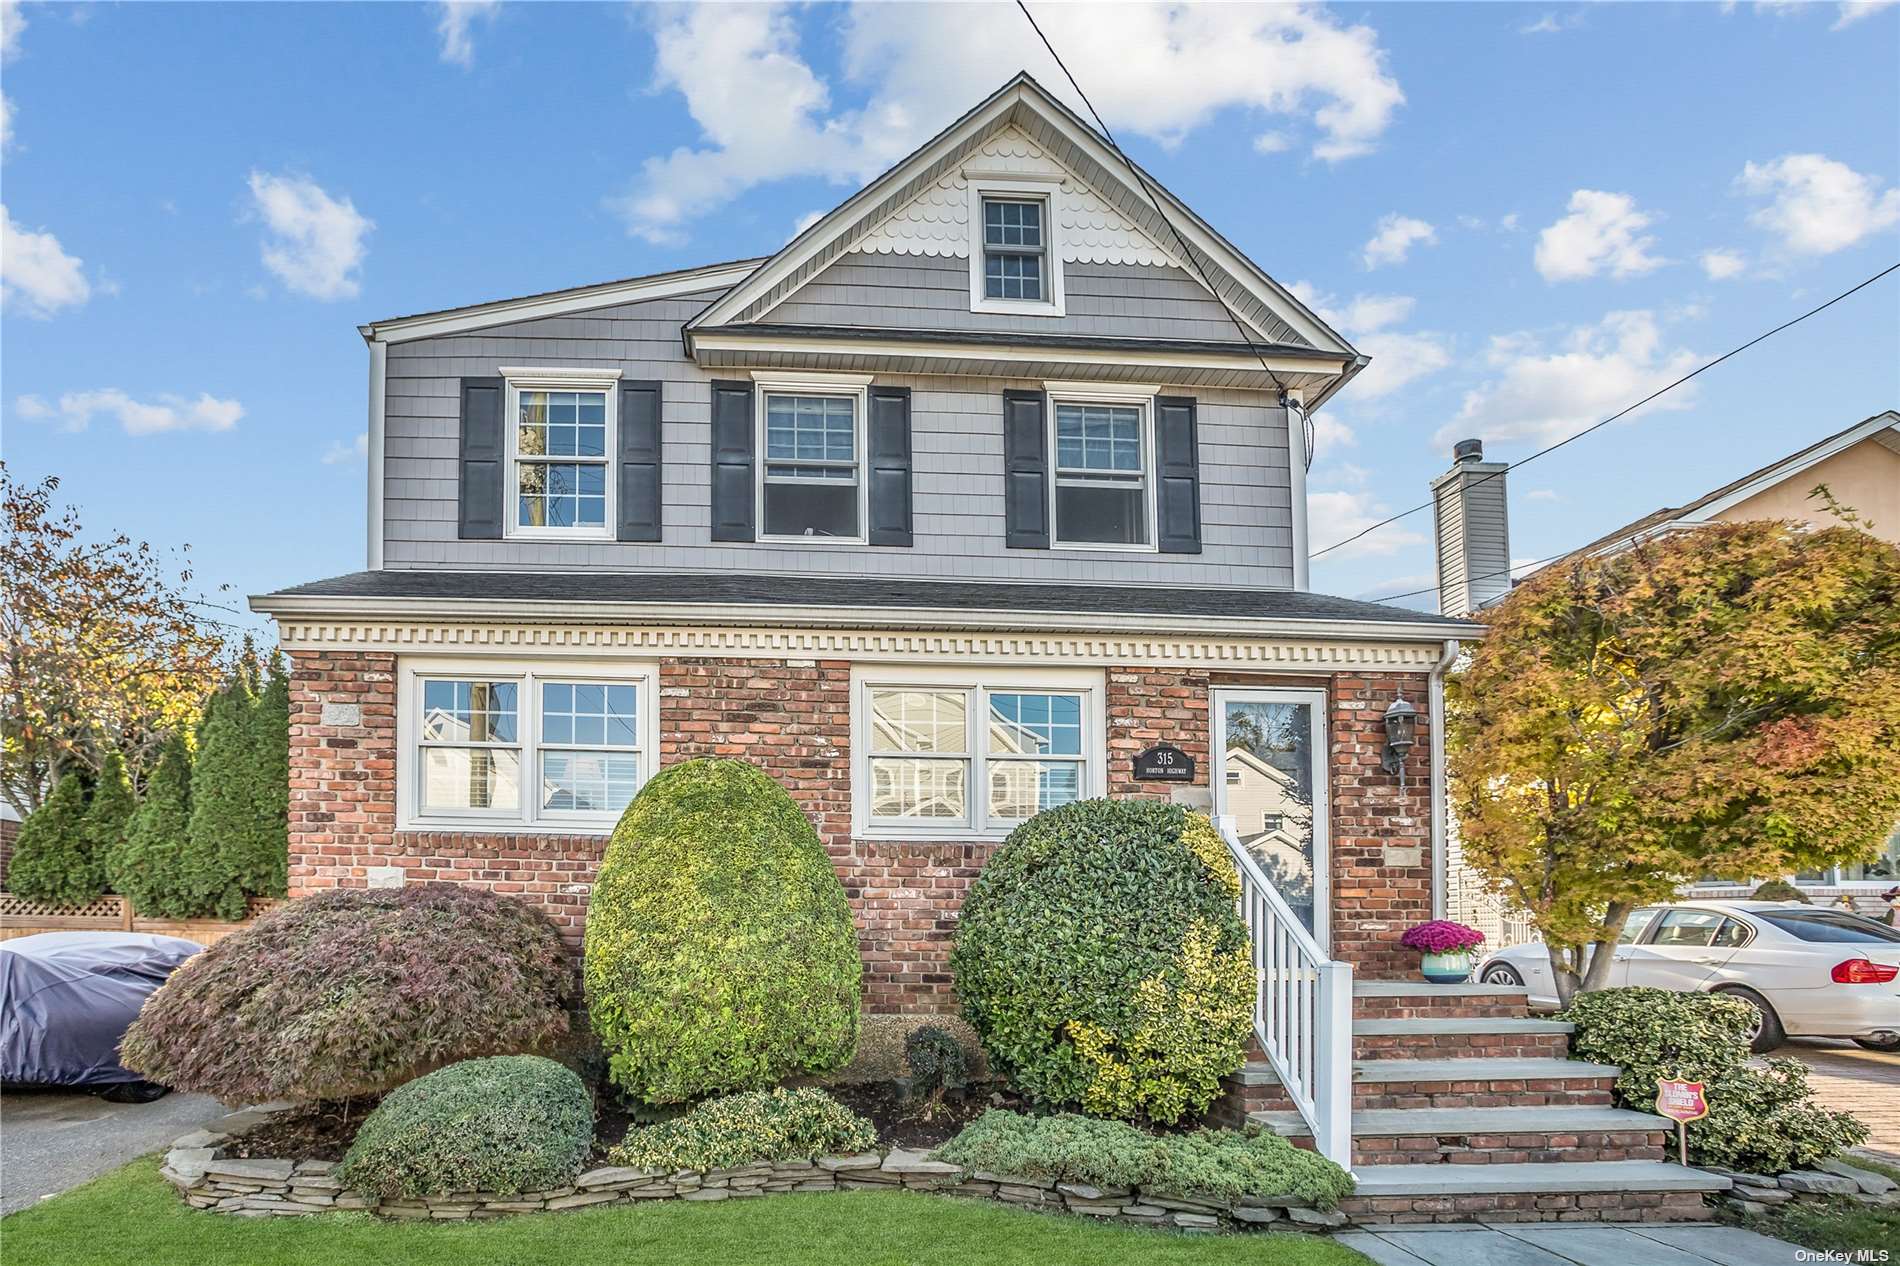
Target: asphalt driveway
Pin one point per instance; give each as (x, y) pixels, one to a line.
(53, 1140)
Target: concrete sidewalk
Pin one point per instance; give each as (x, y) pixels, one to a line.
(54, 1140)
(1554, 1244)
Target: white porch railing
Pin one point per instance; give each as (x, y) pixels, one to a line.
(1303, 1008)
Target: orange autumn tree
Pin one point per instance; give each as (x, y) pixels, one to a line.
(1719, 702)
(101, 649)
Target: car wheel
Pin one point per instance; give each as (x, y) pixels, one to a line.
(1767, 1032)
(1878, 1044)
(134, 1092)
(1502, 974)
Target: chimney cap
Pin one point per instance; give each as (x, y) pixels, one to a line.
(1468, 451)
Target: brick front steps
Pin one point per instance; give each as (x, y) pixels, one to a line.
(1467, 1109)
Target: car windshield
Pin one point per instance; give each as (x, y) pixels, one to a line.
(1829, 926)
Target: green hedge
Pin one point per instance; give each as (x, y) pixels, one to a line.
(1220, 1166)
(760, 1125)
(721, 954)
(507, 1124)
(52, 861)
(1100, 958)
(1761, 1120)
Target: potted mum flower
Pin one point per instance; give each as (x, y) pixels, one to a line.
(1446, 948)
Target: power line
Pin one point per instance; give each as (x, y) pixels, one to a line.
(1181, 245)
(1733, 351)
(1490, 575)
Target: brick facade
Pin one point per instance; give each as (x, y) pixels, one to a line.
(792, 718)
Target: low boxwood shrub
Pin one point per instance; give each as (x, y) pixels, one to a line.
(507, 1124)
(1761, 1120)
(356, 991)
(721, 954)
(1100, 958)
(1220, 1166)
(937, 1065)
(759, 1125)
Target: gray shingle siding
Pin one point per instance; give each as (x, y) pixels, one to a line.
(958, 462)
(933, 292)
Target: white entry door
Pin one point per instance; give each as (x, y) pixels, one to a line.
(1269, 775)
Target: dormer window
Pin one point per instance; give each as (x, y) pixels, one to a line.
(1015, 251)
(1014, 246)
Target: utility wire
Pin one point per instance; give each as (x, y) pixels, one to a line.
(1181, 246)
(1490, 575)
(1733, 351)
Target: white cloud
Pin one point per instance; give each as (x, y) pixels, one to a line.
(1334, 515)
(1602, 233)
(76, 410)
(37, 276)
(1852, 11)
(1552, 24)
(1816, 205)
(12, 22)
(805, 221)
(6, 122)
(1394, 238)
(1398, 356)
(1509, 223)
(1542, 494)
(1159, 70)
(452, 22)
(1272, 143)
(1330, 434)
(316, 242)
(354, 451)
(1544, 393)
(1723, 264)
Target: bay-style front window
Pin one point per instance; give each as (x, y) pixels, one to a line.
(555, 745)
(971, 753)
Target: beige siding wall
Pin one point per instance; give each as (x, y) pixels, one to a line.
(1866, 477)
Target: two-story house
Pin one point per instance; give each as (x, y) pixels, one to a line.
(984, 494)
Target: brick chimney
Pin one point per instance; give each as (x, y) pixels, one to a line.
(1473, 531)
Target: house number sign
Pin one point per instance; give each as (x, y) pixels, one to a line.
(1164, 762)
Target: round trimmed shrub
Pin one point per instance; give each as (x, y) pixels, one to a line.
(1100, 958)
(759, 1125)
(506, 1124)
(720, 950)
(354, 992)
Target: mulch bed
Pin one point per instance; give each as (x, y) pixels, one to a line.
(319, 1131)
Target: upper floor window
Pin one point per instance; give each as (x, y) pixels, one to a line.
(1103, 478)
(561, 438)
(541, 744)
(1015, 257)
(811, 477)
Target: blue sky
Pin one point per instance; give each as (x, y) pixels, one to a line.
(1529, 216)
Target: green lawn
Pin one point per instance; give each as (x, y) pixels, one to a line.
(132, 1217)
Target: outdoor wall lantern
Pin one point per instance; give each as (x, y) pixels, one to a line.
(1401, 733)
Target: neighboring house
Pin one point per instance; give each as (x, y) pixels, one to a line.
(1859, 466)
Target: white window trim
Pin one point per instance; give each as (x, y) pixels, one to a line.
(1021, 189)
(528, 815)
(854, 386)
(1142, 397)
(979, 680)
(521, 378)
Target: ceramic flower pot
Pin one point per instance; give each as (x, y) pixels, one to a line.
(1446, 969)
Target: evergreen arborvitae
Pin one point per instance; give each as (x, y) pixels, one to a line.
(148, 867)
(50, 859)
(108, 816)
(259, 855)
(221, 811)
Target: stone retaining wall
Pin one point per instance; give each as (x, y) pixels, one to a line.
(257, 1188)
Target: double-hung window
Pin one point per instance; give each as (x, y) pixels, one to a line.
(1104, 473)
(1015, 247)
(940, 755)
(811, 476)
(561, 435)
(549, 745)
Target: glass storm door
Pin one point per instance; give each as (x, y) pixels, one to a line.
(1270, 777)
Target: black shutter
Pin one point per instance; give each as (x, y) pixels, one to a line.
(733, 493)
(1178, 473)
(640, 500)
(1025, 471)
(483, 455)
(889, 466)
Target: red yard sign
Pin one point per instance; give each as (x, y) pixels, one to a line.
(1681, 1100)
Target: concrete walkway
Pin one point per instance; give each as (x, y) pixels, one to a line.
(54, 1140)
(1552, 1244)
(1865, 1083)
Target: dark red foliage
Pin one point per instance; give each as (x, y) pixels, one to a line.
(354, 992)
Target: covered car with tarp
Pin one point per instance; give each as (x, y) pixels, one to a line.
(67, 998)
